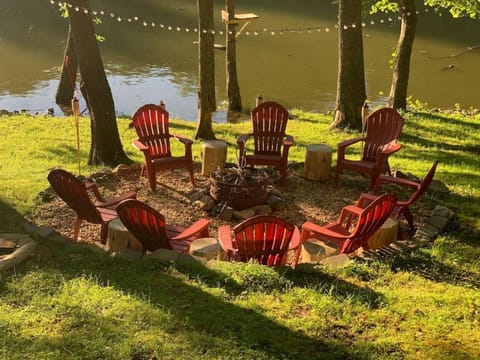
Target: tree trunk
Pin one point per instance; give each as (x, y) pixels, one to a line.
(106, 147)
(206, 93)
(233, 90)
(401, 72)
(351, 92)
(68, 78)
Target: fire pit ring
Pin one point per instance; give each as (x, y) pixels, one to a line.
(241, 192)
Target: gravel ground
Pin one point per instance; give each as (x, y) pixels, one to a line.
(319, 202)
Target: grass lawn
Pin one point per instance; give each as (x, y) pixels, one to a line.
(72, 303)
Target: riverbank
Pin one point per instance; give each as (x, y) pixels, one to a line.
(70, 302)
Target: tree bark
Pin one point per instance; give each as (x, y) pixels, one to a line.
(351, 93)
(106, 147)
(233, 90)
(66, 85)
(206, 93)
(401, 72)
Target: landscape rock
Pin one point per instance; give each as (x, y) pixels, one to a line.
(243, 214)
(226, 213)
(102, 174)
(276, 203)
(122, 170)
(262, 210)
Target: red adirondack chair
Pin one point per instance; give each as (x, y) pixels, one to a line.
(264, 238)
(75, 193)
(150, 228)
(151, 123)
(383, 130)
(354, 226)
(402, 208)
(271, 144)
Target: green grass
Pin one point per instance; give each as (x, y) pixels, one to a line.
(72, 303)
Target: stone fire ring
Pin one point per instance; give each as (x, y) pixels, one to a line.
(14, 248)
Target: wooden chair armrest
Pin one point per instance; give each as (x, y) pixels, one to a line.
(225, 238)
(139, 145)
(348, 215)
(112, 203)
(243, 138)
(390, 150)
(342, 146)
(289, 140)
(198, 229)
(346, 143)
(183, 140)
(352, 209)
(309, 228)
(383, 179)
(296, 240)
(365, 199)
(93, 187)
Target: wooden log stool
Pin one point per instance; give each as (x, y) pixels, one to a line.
(318, 162)
(119, 238)
(214, 154)
(207, 248)
(314, 250)
(385, 235)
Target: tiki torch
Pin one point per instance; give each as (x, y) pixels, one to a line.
(76, 114)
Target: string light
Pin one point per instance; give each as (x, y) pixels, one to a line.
(62, 5)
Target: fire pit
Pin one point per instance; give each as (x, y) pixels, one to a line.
(239, 188)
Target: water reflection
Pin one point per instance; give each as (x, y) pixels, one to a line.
(146, 64)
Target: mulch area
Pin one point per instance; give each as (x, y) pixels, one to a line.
(319, 202)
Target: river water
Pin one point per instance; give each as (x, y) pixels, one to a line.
(289, 54)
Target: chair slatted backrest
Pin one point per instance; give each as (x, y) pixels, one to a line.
(383, 130)
(263, 238)
(427, 180)
(145, 223)
(151, 123)
(74, 192)
(269, 126)
(370, 220)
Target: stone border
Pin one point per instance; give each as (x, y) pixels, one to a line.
(25, 248)
(424, 237)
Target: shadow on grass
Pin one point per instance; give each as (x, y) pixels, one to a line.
(339, 289)
(200, 313)
(10, 219)
(425, 265)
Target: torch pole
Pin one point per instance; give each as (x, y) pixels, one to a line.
(76, 114)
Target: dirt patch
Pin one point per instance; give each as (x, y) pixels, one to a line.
(319, 202)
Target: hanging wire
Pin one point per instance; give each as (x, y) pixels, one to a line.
(300, 30)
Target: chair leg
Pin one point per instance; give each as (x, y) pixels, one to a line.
(190, 169)
(408, 215)
(373, 179)
(387, 166)
(283, 175)
(337, 176)
(76, 228)
(104, 233)
(152, 177)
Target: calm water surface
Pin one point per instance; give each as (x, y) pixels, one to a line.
(148, 64)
